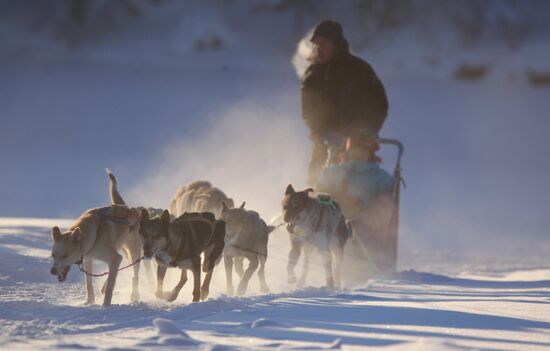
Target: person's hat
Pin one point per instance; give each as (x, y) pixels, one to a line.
(331, 30)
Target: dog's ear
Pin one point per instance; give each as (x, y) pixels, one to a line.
(224, 206)
(309, 190)
(56, 234)
(164, 221)
(289, 190)
(76, 235)
(242, 206)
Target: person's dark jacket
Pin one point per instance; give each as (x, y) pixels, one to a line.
(343, 96)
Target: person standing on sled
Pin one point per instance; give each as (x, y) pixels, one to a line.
(341, 95)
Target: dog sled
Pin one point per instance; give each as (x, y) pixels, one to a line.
(374, 224)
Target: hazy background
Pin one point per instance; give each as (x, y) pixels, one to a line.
(165, 92)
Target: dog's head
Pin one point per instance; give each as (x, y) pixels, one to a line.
(153, 232)
(66, 251)
(235, 219)
(295, 204)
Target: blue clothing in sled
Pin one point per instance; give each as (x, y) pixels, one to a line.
(357, 179)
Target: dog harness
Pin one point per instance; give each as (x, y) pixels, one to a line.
(188, 222)
(330, 203)
(324, 204)
(192, 217)
(102, 213)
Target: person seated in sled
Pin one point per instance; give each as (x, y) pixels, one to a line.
(357, 181)
(364, 191)
(340, 93)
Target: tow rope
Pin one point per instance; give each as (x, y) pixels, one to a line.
(81, 268)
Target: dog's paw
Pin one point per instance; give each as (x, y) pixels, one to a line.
(291, 279)
(241, 289)
(264, 289)
(204, 294)
(89, 303)
(134, 297)
(301, 283)
(161, 295)
(230, 291)
(171, 297)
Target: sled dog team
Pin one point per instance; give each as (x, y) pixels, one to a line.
(202, 226)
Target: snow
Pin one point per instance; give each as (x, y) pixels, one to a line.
(505, 310)
(473, 269)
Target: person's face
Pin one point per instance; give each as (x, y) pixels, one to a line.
(324, 49)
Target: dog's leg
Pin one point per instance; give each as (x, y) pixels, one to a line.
(239, 266)
(228, 262)
(308, 249)
(103, 287)
(161, 273)
(175, 292)
(132, 256)
(114, 264)
(293, 256)
(261, 274)
(327, 264)
(135, 284)
(205, 289)
(337, 256)
(252, 266)
(196, 264)
(90, 300)
(149, 273)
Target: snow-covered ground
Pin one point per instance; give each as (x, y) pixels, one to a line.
(497, 309)
(473, 268)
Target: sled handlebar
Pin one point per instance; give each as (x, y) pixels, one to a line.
(334, 149)
(398, 144)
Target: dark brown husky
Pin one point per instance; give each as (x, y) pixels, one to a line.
(180, 244)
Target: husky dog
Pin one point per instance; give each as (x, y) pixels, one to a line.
(314, 223)
(99, 234)
(180, 243)
(246, 237)
(199, 196)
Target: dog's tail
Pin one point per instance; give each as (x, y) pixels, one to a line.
(116, 199)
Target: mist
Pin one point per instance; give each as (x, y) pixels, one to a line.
(153, 99)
